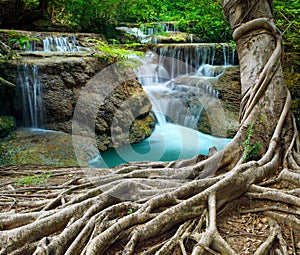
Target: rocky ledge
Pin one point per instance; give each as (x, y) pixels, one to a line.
(64, 80)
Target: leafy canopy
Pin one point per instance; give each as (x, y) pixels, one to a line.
(204, 18)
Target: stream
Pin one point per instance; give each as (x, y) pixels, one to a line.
(167, 74)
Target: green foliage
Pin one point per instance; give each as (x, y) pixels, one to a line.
(204, 18)
(114, 53)
(130, 211)
(34, 179)
(250, 150)
(22, 40)
(286, 14)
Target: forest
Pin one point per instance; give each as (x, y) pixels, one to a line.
(72, 93)
(204, 18)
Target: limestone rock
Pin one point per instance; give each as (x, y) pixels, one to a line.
(220, 98)
(38, 147)
(63, 81)
(224, 122)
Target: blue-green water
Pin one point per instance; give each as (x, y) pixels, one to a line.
(168, 142)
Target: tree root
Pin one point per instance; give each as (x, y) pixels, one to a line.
(92, 220)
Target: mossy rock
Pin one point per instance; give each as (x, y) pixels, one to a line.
(38, 147)
(7, 124)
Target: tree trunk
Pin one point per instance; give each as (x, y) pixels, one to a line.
(260, 53)
(172, 208)
(43, 5)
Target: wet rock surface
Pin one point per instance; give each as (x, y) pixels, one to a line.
(63, 79)
(220, 97)
(39, 147)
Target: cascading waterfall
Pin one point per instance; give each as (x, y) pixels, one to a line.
(58, 43)
(61, 44)
(177, 102)
(159, 73)
(146, 34)
(159, 27)
(28, 81)
(30, 87)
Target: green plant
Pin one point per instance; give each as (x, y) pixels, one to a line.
(250, 150)
(130, 211)
(33, 179)
(114, 53)
(23, 40)
(232, 44)
(286, 15)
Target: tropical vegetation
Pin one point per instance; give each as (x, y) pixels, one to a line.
(204, 18)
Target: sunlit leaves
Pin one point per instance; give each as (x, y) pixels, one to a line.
(287, 19)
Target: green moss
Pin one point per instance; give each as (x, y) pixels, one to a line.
(141, 129)
(292, 81)
(7, 124)
(26, 147)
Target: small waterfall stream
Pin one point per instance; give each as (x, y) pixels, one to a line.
(166, 79)
(62, 44)
(28, 80)
(57, 43)
(29, 85)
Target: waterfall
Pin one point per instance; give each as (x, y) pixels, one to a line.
(62, 44)
(177, 80)
(159, 28)
(147, 34)
(29, 85)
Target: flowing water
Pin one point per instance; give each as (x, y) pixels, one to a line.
(165, 74)
(28, 81)
(177, 104)
(29, 85)
(58, 43)
(62, 44)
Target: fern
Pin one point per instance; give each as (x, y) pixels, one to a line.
(115, 53)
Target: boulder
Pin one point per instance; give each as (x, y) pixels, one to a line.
(64, 80)
(222, 119)
(220, 98)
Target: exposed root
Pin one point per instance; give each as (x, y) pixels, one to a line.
(95, 219)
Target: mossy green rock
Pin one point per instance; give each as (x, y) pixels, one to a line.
(38, 147)
(7, 124)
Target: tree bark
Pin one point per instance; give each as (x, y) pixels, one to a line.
(259, 50)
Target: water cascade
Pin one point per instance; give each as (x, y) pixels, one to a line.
(61, 44)
(166, 77)
(147, 33)
(177, 80)
(57, 43)
(29, 85)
